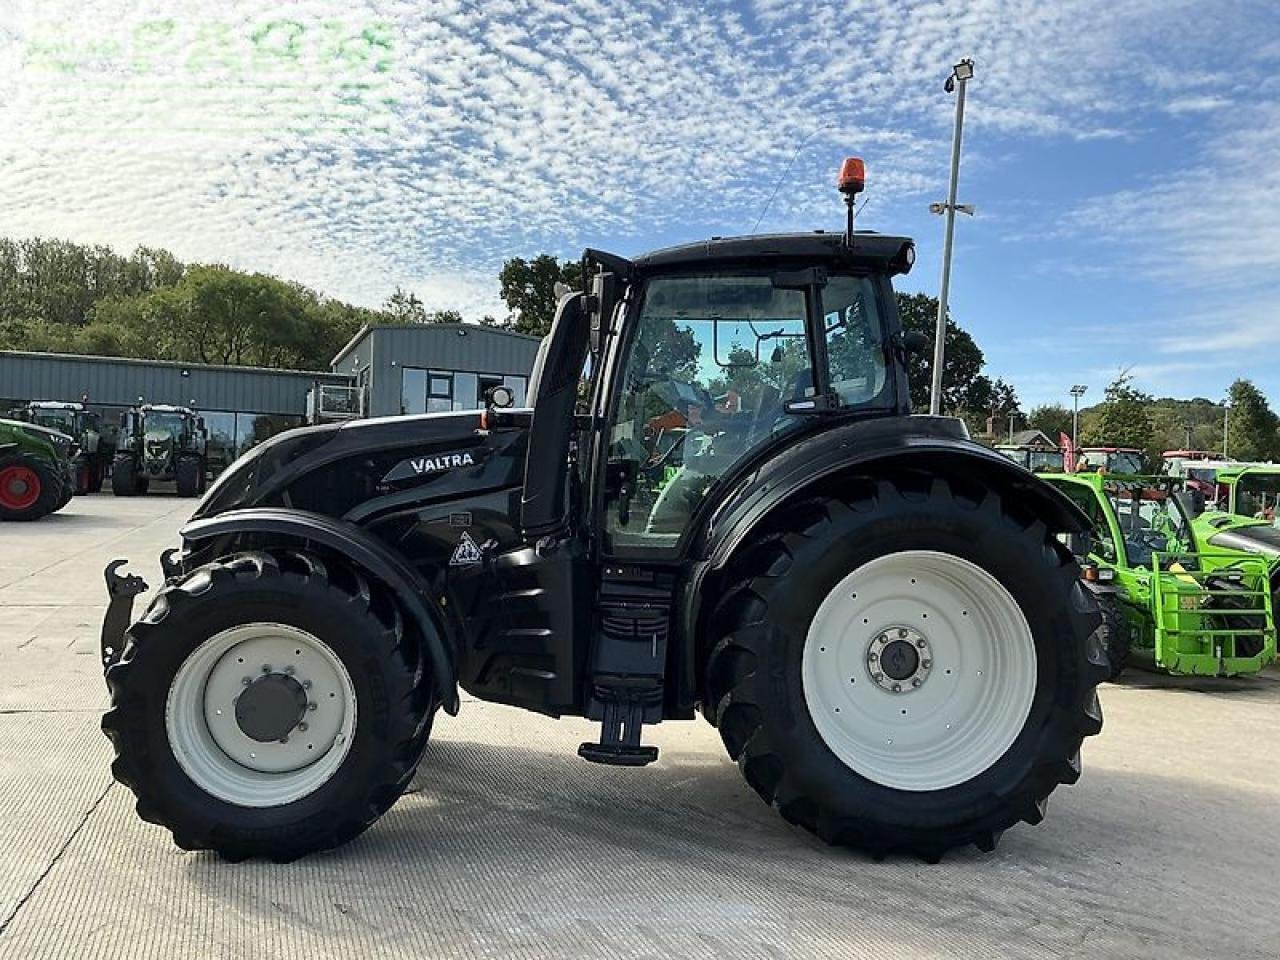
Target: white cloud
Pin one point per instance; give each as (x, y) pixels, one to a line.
(359, 144)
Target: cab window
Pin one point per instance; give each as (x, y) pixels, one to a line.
(714, 360)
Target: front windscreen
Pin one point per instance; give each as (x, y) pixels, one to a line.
(1151, 521)
(63, 420)
(1046, 461)
(1124, 462)
(1257, 495)
(171, 423)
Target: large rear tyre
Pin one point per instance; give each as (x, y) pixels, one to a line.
(187, 476)
(29, 489)
(268, 705)
(908, 667)
(124, 477)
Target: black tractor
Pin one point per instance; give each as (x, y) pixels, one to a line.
(96, 442)
(735, 514)
(163, 443)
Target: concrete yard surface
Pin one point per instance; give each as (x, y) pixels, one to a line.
(508, 845)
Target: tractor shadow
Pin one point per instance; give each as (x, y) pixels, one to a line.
(498, 843)
(1142, 675)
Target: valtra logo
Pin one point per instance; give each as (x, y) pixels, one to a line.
(431, 464)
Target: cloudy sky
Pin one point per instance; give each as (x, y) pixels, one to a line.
(1124, 155)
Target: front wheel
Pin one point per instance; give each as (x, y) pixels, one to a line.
(268, 705)
(124, 477)
(909, 667)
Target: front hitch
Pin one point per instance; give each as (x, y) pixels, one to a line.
(121, 590)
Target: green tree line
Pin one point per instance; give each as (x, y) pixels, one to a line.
(57, 296)
(1129, 417)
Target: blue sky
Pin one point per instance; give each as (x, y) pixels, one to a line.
(1124, 156)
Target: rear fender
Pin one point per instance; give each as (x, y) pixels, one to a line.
(361, 549)
(876, 447)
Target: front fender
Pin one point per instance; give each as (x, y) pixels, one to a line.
(363, 550)
(933, 443)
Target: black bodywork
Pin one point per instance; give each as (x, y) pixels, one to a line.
(487, 524)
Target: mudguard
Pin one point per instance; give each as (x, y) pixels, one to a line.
(362, 549)
(933, 442)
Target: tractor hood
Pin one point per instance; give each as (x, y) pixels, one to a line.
(1252, 537)
(334, 468)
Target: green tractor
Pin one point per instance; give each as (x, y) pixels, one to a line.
(96, 442)
(1200, 607)
(35, 470)
(164, 443)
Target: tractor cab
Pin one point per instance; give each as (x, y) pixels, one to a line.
(1248, 490)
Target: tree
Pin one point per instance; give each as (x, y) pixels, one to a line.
(1051, 419)
(1123, 419)
(528, 289)
(964, 388)
(406, 308)
(1252, 427)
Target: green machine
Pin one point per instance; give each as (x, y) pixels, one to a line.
(1201, 606)
(1249, 490)
(96, 441)
(35, 470)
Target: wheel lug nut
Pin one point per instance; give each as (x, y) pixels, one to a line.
(926, 664)
(897, 688)
(289, 671)
(920, 643)
(877, 677)
(311, 705)
(266, 668)
(306, 684)
(915, 682)
(284, 739)
(901, 633)
(247, 680)
(873, 657)
(302, 726)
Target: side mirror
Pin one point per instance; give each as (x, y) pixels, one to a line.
(499, 397)
(1193, 502)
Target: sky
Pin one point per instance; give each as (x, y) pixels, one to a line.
(1123, 155)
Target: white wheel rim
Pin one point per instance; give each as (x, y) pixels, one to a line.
(976, 675)
(208, 742)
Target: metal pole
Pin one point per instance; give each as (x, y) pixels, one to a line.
(940, 330)
(1075, 419)
(1226, 411)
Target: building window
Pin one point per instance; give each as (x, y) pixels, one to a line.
(432, 391)
(440, 392)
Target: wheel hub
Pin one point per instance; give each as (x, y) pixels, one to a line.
(271, 707)
(899, 659)
(261, 714)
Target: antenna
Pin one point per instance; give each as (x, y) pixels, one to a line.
(782, 176)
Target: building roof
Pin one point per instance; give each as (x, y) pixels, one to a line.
(176, 364)
(463, 329)
(1032, 438)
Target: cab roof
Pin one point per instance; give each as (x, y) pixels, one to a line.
(880, 252)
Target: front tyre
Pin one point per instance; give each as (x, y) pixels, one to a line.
(268, 705)
(907, 667)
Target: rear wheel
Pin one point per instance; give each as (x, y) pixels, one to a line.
(187, 476)
(908, 669)
(29, 489)
(268, 705)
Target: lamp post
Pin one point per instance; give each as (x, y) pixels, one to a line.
(1226, 420)
(1078, 391)
(961, 74)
